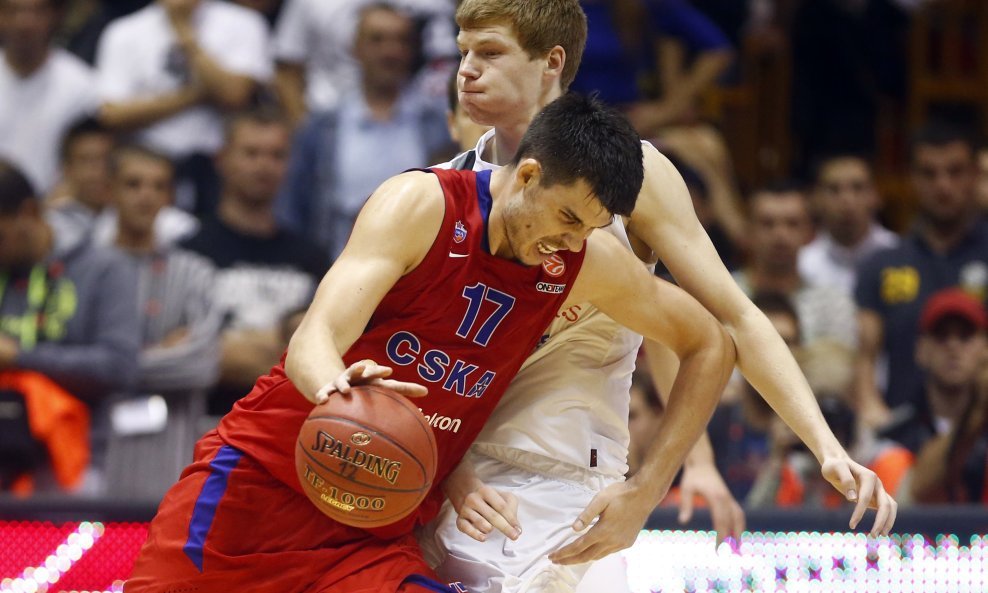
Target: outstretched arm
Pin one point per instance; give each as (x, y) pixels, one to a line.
(664, 219)
(616, 282)
(390, 238)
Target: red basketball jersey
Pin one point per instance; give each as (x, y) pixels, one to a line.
(461, 323)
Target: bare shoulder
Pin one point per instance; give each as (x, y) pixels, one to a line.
(402, 216)
(664, 202)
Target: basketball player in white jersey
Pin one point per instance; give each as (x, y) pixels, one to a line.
(551, 461)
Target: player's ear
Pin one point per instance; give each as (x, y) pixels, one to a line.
(555, 61)
(528, 173)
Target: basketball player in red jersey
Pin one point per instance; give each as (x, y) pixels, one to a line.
(449, 279)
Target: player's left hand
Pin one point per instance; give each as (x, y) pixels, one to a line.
(486, 509)
(859, 484)
(621, 510)
(725, 512)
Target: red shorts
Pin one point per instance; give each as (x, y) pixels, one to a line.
(228, 525)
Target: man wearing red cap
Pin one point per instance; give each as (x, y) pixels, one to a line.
(951, 351)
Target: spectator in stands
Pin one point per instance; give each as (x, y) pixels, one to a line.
(84, 186)
(263, 270)
(790, 477)
(623, 40)
(951, 351)
(951, 467)
(381, 128)
(43, 90)
(70, 316)
(780, 226)
(169, 72)
(948, 246)
(314, 39)
(179, 359)
(845, 200)
(84, 210)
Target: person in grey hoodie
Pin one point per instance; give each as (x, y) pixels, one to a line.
(70, 314)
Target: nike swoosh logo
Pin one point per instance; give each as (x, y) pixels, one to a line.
(451, 254)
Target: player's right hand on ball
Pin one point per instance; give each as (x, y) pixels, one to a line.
(367, 372)
(486, 509)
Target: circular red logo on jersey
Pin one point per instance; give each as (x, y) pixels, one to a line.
(554, 266)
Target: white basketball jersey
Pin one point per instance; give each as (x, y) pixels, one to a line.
(570, 400)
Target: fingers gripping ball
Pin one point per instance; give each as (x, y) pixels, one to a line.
(366, 458)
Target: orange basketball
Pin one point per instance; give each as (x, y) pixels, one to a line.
(366, 458)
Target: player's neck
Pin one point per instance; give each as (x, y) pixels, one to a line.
(496, 232)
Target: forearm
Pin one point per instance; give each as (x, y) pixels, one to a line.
(227, 90)
(692, 399)
(663, 366)
(312, 360)
(770, 368)
(142, 112)
(702, 75)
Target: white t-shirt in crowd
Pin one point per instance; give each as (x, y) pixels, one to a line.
(36, 111)
(320, 35)
(138, 58)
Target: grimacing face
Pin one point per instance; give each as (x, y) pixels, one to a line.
(539, 221)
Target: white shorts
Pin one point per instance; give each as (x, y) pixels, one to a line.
(550, 497)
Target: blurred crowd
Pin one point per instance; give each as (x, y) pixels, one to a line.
(177, 175)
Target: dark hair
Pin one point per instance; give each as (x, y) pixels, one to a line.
(15, 189)
(82, 127)
(578, 137)
(939, 134)
(140, 151)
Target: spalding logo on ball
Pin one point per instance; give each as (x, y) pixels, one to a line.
(366, 458)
